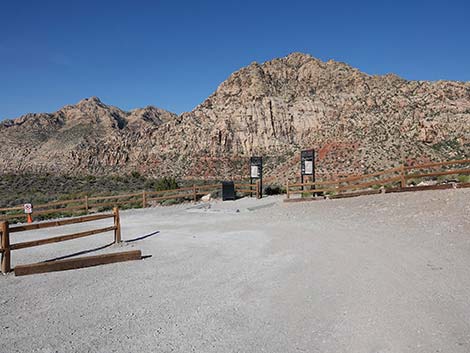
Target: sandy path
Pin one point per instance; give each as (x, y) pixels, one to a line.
(382, 273)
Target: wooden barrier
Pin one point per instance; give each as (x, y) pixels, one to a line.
(90, 204)
(6, 229)
(381, 179)
(356, 182)
(248, 188)
(81, 262)
(86, 205)
(437, 164)
(6, 255)
(189, 193)
(70, 206)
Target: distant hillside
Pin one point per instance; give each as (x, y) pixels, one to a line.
(355, 121)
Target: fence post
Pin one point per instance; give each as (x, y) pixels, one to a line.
(402, 175)
(258, 191)
(86, 204)
(144, 199)
(194, 193)
(117, 225)
(287, 189)
(6, 260)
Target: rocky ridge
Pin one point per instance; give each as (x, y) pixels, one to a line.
(356, 122)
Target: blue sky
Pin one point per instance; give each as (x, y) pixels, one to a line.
(173, 54)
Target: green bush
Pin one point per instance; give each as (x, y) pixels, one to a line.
(463, 178)
(166, 183)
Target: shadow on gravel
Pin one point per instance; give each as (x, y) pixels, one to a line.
(142, 237)
(102, 247)
(80, 253)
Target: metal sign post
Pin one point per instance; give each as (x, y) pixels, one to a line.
(256, 171)
(307, 165)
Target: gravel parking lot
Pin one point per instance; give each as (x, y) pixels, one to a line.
(381, 273)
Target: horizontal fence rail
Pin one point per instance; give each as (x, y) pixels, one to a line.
(81, 262)
(6, 230)
(394, 179)
(398, 177)
(142, 199)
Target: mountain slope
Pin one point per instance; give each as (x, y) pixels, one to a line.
(355, 121)
(88, 138)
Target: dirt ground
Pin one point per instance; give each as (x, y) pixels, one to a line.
(382, 273)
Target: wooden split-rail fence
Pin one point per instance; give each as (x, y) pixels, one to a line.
(6, 246)
(390, 180)
(143, 199)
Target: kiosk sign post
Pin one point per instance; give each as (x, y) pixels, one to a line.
(256, 171)
(307, 165)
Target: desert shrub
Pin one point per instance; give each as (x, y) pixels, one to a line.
(57, 214)
(215, 194)
(415, 181)
(150, 184)
(446, 178)
(449, 145)
(171, 202)
(126, 206)
(37, 189)
(330, 193)
(104, 208)
(166, 183)
(136, 175)
(463, 178)
(274, 190)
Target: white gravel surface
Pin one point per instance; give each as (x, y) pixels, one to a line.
(381, 273)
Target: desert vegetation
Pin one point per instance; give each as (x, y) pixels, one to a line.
(38, 189)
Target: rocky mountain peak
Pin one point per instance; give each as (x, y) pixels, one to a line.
(298, 59)
(93, 100)
(151, 115)
(356, 122)
(89, 103)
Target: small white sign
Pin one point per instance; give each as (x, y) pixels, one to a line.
(254, 171)
(28, 208)
(308, 167)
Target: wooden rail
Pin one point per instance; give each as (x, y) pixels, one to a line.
(438, 164)
(62, 222)
(90, 204)
(382, 179)
(29, 244)
(249, 188)
(6, 230)
(448, 172)
(81, 262)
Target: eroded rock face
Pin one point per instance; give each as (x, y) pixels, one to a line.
(356, 122)
(89, 137)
